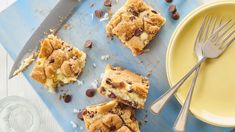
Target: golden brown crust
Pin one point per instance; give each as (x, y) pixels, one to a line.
(125, 86)
(110, 116)
(135, 24)
(57, 63)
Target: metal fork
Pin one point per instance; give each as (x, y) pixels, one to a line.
(202, 35)
(212, 48)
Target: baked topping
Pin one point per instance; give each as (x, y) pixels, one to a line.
(125, 86)
(135, 24)
(58, 63)
(110, 116)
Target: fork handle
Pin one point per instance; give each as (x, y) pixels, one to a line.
(157, 105)
(181, 120)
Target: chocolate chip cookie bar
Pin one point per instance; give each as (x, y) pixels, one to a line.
(58, 63)
(110, 117)
(135, 24)
(125, 86)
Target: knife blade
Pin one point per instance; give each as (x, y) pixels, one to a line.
(54, 21)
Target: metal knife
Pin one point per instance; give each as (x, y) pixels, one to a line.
(54, 21)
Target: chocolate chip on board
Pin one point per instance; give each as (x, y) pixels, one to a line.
(175, 16)
(90, 92)
(88, 44)
(168, 1)
(172, 8)
(108, 3)
(67, 98)
(99, 13)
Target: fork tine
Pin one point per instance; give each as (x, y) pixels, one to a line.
(214, 23)
(226, 31)
(229, 43)
(205, 34)
(221, 28)
(227, 37)
(199, 34)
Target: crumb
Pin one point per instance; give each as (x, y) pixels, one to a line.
(108, 3)
(92, 5)
(25, 63)
(101, 75)
(149, 73)
(75, 110)
(140, 62)
(79, 82)
(94, 65)
(51, 30)
(66, 26)
(105, 57)
(88, 44)
(74, 125)
(94, 84)
(106, 17)
(110, 13)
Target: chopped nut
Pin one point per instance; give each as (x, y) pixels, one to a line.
(88, 44)
(98, 13)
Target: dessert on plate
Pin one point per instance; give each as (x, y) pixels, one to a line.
(58, 63)
(110, 116)
(125, 86)
(135, 24)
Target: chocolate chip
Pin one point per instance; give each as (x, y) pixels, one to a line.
(130, 91)
(98, 13)
(153, 11)
(52, 60)
(90, 92)
(88, 44)
(80, 115)
(67, 98)
(112, 95)
(172, 8)
(112, 128)
(175, 16)
(108, 3)
(129, 82)
(108, 81)
(168, 1)
(133, 11)
(138, 32)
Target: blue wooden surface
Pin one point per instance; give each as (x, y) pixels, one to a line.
(18, 22)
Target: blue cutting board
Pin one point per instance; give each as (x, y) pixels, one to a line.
(19, 21)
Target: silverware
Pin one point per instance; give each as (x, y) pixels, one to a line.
(54, 21)
(202, 35)
(212, 48)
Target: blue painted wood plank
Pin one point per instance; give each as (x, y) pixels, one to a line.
(18, 22)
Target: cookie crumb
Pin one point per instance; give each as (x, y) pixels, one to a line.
(79, 82)
(94, 84)
(149, 73)
(98, 13)
(74, 125)
(105, 57)
(94, 65)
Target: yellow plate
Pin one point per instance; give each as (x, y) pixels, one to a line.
(214, 96)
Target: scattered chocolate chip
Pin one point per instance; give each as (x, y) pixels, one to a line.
(108, 81)
(172, 8)
(52, 60)
(112, 95)
(149, 73)
(138, 32)
(108, 3)
(175, 16)
(153, 11)
(90, 92)
(98, 13)
(67, 98)
(168, 1)
(88, 44)
(80, 115)
(92, 4)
